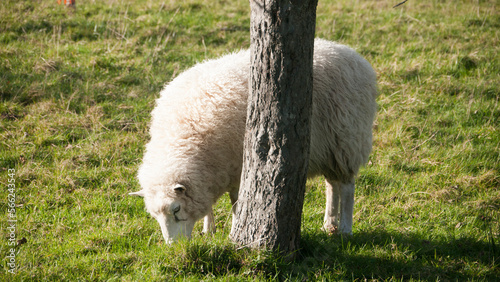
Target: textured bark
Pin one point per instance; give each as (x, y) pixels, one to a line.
(269, 207)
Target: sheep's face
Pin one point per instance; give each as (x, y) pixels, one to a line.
(171, 208)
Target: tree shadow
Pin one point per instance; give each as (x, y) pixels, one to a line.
(375, 254)
(378, 255)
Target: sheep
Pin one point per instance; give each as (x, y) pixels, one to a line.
(197, 130)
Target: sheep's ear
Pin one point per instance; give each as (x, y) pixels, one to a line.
(137, 194)
(179, 188)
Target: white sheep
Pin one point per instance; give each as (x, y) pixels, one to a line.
(197, 130)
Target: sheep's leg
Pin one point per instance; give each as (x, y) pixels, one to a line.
(339, 207)
(209, 223)
(331, 221)
(233, 195)
(346, 206)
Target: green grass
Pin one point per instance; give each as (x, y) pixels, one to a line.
(77, 87)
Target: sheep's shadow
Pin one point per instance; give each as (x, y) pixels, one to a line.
(384, 255)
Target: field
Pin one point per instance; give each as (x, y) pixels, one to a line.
(77, 86)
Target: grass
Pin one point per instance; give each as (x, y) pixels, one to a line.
(77, 87)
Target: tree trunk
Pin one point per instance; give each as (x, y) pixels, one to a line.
(269, 207)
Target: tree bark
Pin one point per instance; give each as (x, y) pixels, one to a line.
(276, 149)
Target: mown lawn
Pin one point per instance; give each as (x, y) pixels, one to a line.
(77, 87)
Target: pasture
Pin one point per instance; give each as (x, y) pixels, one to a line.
(77, 87)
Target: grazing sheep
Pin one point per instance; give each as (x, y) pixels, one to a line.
(197, 130)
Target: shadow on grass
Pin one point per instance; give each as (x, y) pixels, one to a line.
(383, 255)
(367, 255)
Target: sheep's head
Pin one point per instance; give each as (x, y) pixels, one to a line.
(173, 209)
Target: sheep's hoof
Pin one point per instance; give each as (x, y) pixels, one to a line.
(331, 230)
(210, 230)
